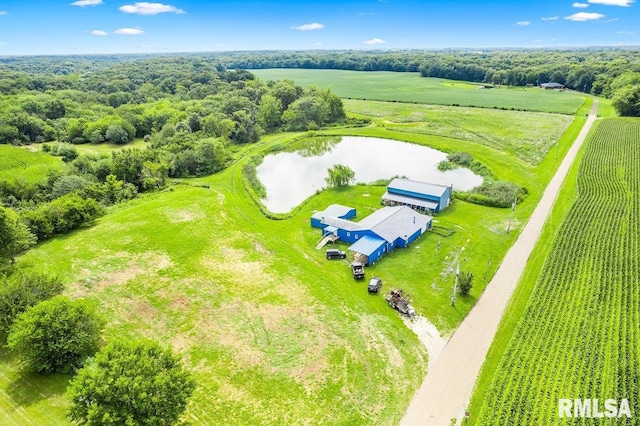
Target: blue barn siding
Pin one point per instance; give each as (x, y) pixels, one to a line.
(350, 215)
(317, 223)
(444, 200)
(414, 194)
(378, 253)
(353, 236)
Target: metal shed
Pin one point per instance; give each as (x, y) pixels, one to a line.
(421, 196)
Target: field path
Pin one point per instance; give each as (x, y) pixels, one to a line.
(446, 391)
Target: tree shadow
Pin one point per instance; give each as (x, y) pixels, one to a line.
(26, 388)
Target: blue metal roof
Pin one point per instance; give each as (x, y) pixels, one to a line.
(367, 245)
(417, 187)
(334, 210)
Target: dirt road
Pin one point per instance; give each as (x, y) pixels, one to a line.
(445, 392)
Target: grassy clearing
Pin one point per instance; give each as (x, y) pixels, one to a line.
(411, 88)
(583, 266)
(526, 135)
(100, 148)
(20, 163)
(273, 331)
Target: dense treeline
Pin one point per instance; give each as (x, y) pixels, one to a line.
(137, 99)
(600, 71)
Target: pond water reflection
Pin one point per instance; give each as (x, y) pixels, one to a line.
(292, 176)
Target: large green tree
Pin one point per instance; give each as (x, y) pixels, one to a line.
(340, 175)
(21, 291)
(627, 101)
(15, 237)
(130, 383)
(56, 335)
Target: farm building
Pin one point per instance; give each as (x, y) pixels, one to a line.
(378, 233)
(551, 86)
(334, 210)
(419, 196)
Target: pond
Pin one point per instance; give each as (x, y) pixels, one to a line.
(292, 176)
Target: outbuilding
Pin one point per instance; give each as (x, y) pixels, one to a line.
(334, 210)
(421, 196)
(552, 86)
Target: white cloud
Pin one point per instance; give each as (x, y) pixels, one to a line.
(551, 18)
(3, 12)
(580, 5)
(625, 32)
(3, 43)
(523, 23)
(83, 3)
(129, 31)
(99, 33)
(623, 3)
(374, 41)
(146, 8)
(309, 27)
(584, 16)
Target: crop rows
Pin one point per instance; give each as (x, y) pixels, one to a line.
(18, 162)
(578, 336)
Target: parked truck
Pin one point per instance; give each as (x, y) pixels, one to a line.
(357, 268)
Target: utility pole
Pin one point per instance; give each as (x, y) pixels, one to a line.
(455, 283)
(513, 209)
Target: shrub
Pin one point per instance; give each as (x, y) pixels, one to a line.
(461, 158)
(494, 194)
(56, 335)
(465, 282)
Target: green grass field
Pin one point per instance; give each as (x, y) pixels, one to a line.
(18, 162)
(547, 348)
(275, 333)
(526, 135)
(411, 88)
(100, 148)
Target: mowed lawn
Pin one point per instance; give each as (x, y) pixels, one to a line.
(274, 333)
(411, 88)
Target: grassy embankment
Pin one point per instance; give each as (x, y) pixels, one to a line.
(274, 332)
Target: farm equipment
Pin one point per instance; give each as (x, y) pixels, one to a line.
(357, 268)
(400, 301)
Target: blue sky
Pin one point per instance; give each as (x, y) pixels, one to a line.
(29, 27)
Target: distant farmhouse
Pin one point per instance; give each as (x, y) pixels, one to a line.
(552, 86)
(420, 196)
(376, 234)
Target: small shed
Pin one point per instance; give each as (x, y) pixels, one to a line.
(421, 196)
(334, 210)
